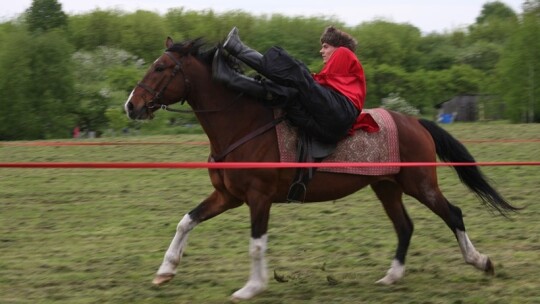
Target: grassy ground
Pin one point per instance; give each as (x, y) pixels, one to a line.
(98, 236)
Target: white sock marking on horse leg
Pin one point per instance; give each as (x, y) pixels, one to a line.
(258, 278)
(394, 274)
(470, 254)
(177, 246)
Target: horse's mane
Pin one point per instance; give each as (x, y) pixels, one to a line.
(200, 49)
(191, 47)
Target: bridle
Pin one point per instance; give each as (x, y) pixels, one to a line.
(157, 96)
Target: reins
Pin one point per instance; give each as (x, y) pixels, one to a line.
(158, 95)
(167, 108)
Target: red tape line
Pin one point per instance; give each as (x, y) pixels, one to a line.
(69, 143)
(199, 143)
(242, 165)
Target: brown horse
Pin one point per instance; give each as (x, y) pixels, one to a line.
(184, 72)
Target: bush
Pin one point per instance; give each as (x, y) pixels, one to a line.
(396, 103)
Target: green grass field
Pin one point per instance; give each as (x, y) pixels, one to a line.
(98, 236)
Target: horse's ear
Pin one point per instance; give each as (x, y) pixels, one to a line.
(169, 42)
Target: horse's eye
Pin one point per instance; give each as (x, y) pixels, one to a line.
(159, 68)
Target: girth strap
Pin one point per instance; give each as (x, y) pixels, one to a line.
(248, 137)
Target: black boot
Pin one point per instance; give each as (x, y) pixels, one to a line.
(265, 90)
(249, 56)
(276, 65)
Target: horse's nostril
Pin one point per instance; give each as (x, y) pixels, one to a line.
(128, 109)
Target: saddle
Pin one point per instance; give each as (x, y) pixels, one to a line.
(369, 147)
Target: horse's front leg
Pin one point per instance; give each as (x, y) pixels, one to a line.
(167, 270)
(210, 207)
(258, 279)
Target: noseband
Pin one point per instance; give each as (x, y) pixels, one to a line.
(157, 96)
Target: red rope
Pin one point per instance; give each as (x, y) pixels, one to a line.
(120, 143)
(197, 143)
(239, 165)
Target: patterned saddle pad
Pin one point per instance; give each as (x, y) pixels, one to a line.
(377, 147)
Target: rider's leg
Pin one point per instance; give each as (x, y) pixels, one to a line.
(265, 90)
(247, 55)
(276, 64)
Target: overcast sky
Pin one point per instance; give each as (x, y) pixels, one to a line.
(428, 15)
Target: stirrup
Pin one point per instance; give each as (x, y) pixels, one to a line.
(297, 192)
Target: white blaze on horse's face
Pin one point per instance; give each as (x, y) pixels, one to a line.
(127, 102)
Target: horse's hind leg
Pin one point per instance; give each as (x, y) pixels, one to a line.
(390, 195)
(470, 254)
(452, 216)
(215, 204)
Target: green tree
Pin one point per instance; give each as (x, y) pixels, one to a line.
(19, 119)
(437, 52)
(481, 55)
(425, 89)
(382, 81)
(495, 10)
(117, 119)
(98, 28)
(298, 35)
(103, 77)
(494, 26)
(51, 86)
(383, 42)
(123, 78)
(142, 34)
(53, 89)
(518, 71)
(185, 24)
(44, 15)
(37, 85)
(465, 80)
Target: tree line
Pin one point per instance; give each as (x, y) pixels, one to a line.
(58, 71)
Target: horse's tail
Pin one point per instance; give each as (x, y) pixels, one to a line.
(450, 149)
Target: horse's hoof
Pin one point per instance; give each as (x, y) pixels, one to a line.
(235, 300)
(247, 292)
(161, 279)
(394, 274)
(385, 281)
(489, 269)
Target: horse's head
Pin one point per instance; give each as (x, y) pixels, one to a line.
(165, 81)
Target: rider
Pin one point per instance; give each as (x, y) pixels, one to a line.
(326, 105)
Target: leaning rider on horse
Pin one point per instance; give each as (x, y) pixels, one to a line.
(326, 106)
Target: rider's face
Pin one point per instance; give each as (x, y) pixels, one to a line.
(326, 51)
